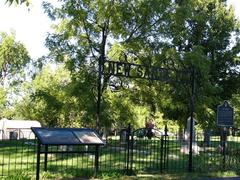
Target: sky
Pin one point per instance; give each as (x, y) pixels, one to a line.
(31, 25)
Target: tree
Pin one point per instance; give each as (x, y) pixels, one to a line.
(185, 36)
(201, 33)
(47, 99)
(89, 29)
(13, 60)
(235, 103)
(13, 57)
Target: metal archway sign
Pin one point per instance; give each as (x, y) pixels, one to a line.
(130, 70)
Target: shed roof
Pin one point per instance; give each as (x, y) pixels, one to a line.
(18, 124)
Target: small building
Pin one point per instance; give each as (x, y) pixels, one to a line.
(17, 129)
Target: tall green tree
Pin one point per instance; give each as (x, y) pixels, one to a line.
(202, 34)
(47, 99)
(88, 30)
(13, 60)
(185, 36)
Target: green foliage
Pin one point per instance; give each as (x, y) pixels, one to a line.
(95, 29)
(13, 57)
(201, 33)
(184, 36)
(48, 100)
(235, 103)
(19, 175)
(27, 2)
(111, 175)
(13, 60)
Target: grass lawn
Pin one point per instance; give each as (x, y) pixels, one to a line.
(119, 176)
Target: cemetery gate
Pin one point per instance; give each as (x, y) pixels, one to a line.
(148, 150)
(108, 68)
(139, 150)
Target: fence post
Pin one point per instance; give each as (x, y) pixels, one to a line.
(131, 153)
(128, 149)
(165, 146)
(224, 145)
(161, 155)
(96, 160)
(45, 157)
(38, 161)
(190, 157)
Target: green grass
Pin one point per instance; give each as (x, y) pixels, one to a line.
(115, 175)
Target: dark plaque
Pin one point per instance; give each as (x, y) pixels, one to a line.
(56, 136)
(67, 136)
(225, 115)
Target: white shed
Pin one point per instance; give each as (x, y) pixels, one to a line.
(17, 129)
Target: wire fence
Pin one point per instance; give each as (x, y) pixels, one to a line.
(131, 154)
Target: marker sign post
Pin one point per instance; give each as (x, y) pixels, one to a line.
(225, 115)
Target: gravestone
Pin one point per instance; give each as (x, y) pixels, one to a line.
(149, 127)
(187, 132)
(123, 136)
(13, 135)
(185, 146)
(207, 137)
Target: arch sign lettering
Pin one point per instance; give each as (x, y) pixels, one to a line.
(130, 70)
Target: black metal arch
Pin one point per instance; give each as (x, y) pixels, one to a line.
(130, 70)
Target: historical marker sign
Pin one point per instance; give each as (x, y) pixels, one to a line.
(225, 115)
(67, 136)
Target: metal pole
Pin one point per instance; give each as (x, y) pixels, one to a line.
(224, 134)
(128, 146)
(38, 161)
(99, 93)
(165, 147)
(45, 157)
(96, 161)
(131, 145)
(161, 154)
(190, 166)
